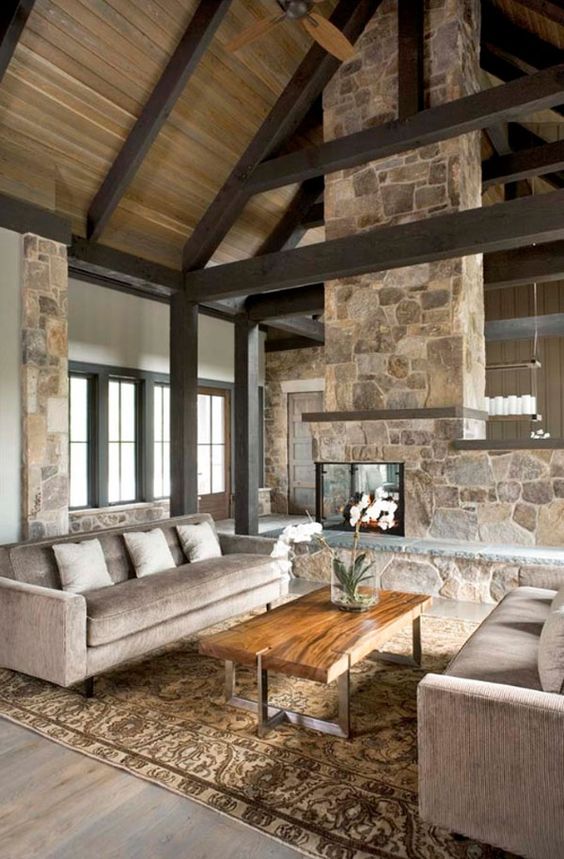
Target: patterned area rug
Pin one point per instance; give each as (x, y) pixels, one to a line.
(163, 718)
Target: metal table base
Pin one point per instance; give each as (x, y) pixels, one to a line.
(269, 717)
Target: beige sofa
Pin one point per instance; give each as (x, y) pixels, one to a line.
(491, 741)
(65, 638)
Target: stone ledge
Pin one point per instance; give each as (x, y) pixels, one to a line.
(395, 414)
(545, 555)
(509, 444)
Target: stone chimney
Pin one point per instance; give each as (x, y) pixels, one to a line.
(412, 337)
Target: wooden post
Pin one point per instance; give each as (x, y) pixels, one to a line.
(183, 405)
(246, 426)
(411, 86)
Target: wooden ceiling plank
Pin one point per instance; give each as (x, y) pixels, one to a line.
(552, 9)
(503, 226)
(411, 41)
(471, 113)
(13, 18)
(305, 86)
(184, 60)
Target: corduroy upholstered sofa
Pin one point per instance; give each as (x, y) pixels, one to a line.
(491, 741)
(65, 638)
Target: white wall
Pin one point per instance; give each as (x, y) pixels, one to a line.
(108, 327)
(10, 408)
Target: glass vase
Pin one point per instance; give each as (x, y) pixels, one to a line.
(353, 589)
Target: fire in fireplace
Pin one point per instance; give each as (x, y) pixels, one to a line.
(341, 486)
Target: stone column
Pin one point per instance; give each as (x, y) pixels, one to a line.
(44, 380)
(411, 337)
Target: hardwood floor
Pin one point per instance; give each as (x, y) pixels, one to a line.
(58, 804)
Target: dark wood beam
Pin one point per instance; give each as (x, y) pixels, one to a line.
(524, 327)
(541, 263)
(521, 137)
(551, 9)
(287, 343)
(13, 18)
(300, 327)
(291, 302)
(497, 104)
(183, 405)
(94, 260)
(411, 40)
(22, 217)
(315, 217)
(104, 266)
(502, 226)
(197, 36)
(523, 49)
(519, 165)
(305, 86)
(246, 426)
(291, 228)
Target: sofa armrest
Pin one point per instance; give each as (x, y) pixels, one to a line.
(551, 578)
(42, 632)
(491, 759)
(237, 544)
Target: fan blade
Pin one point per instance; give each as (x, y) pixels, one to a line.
(328, 36)
(255, 31)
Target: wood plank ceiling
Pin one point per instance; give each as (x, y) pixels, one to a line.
(80, 76)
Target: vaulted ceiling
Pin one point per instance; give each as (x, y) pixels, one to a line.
(83, 70)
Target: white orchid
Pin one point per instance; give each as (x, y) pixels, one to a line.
(291, 535)
(354, 514)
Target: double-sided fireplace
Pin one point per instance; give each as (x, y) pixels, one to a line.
(340, 486)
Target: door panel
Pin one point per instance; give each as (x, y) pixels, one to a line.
(214, 452)
(301, 483)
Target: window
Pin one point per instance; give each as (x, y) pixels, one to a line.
(211, 444)
(122, 440)
(161, 441)
(79, 440)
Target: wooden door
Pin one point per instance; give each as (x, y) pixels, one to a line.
(214, 452)
(301, 483)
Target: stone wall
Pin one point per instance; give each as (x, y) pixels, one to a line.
(96, 519)
(472, 579)
(44, 382)
(514, 497)
(411, 337)
(293, 365)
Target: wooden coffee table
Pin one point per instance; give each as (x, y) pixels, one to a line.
(313, 639)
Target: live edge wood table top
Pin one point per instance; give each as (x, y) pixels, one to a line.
(311, 638)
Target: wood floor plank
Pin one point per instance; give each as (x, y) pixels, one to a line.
(58, 804)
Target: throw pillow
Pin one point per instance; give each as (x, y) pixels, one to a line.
(558, 600)
(82, 566)
(149, 552)
(199, 541)
(551, 653)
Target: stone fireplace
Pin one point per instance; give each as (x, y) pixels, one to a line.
(340, 487)
(404, 349)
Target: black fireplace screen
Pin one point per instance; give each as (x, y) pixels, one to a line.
(340, 486)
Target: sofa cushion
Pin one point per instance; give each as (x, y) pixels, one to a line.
(558, 601)
(149, 552)
(551, 652)
(504, 648)
(82, 566)
(199, 541)
(141, 603)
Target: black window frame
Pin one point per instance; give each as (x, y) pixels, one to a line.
(100, 375)
(92, 436)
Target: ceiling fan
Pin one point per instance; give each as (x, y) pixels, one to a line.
(319, 28)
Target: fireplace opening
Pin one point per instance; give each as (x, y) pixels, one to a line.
(340, 486)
